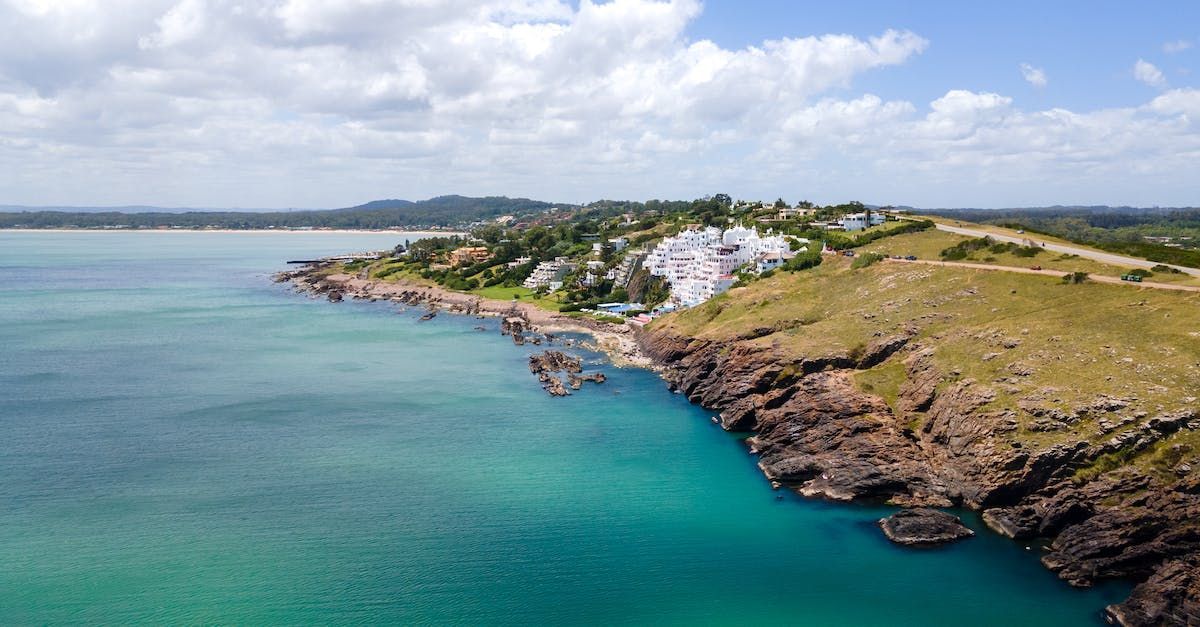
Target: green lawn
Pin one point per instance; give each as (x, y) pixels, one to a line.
(549, 302)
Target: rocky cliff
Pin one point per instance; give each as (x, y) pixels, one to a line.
(942, 442)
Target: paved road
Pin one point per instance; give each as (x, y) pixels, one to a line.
(1110, 258)
(1053, 273)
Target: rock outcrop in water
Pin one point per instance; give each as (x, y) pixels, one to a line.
(923, 527)
(820, 435)
(547, 363)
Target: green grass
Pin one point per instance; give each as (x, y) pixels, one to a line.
(525, 295)
(883, 381)
(609, 318)
(923, 245)
(1023, 336)
(928, 245)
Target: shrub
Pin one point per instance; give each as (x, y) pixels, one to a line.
(1075, 278)
(866, 259)
(962, 249)
(1166, 269)
(803, 261)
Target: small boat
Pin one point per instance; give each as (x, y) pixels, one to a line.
(428, 316)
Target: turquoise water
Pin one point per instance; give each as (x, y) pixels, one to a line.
(182, 441)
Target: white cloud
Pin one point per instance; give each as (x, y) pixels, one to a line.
(311, 103)
(185, 21)
(502, 94)
(1034, 76)
(976, 148)
(1177, 46)
(1148, 73)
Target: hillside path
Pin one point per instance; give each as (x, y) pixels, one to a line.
(1120, 260)
(1052, 273)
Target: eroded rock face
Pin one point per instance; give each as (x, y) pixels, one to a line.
(923, 527)
(1130, 538)
(825, 438)
(1171, 596)
(817, 433)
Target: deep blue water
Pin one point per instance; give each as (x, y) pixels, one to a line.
(181, 441)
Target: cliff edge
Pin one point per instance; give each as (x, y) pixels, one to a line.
(1064, 412)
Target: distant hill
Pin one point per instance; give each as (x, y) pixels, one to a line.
(123, 209)
(442, 211)
(388, 203)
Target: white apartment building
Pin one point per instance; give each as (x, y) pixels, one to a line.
(548, 274)
(699, 264)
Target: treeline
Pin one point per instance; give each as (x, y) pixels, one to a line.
(443, 211)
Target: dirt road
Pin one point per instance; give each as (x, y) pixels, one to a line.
(1051, 273)
(1118, 260)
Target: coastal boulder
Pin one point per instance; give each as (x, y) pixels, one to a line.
(923, 527)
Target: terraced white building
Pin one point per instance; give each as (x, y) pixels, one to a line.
(699, 263)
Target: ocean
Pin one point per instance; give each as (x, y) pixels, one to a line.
(183, 441)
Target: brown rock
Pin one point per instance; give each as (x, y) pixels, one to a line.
(923, 526)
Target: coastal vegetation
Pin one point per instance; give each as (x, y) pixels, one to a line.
(1163, 235)
(1024, 339)
(932, 244)
(602, 243)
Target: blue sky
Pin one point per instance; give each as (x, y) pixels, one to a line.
(309, 103)
(1086, 48)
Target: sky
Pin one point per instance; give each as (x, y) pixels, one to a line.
(311, 103)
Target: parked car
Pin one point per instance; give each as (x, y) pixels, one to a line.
(848, 253)
(911, 257)
(1035, 267)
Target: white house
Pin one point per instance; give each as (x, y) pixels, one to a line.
(788, 213)
(859, 221)
(770, 261)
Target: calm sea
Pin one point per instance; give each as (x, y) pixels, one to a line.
(182, 441)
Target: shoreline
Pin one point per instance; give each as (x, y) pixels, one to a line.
(812, 434)
(252, 231)
(615, 341)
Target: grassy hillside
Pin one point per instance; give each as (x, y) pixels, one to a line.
(930, 244)
(1162, 235)
(1044, 347)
